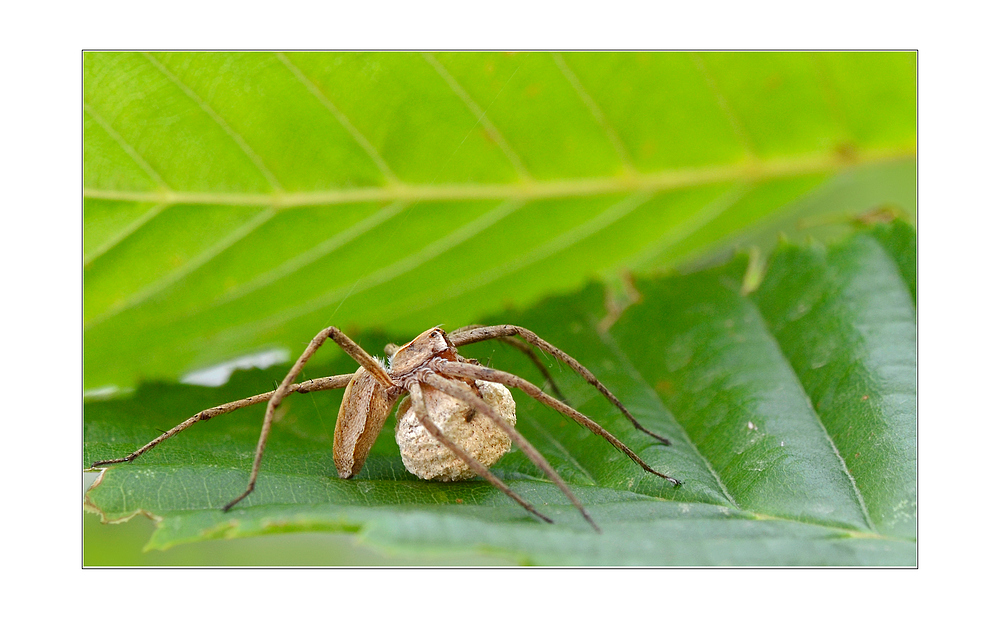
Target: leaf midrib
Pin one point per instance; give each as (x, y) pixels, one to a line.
(790, 366)
(611, 345)
(872, 532)
(748, 170)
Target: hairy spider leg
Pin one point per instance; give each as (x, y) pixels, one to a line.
(463, 370)
(463, 392)
(525, 349)
(309, 386)
(354, 350)
(454, 387)
(390, 349)
(419, 409)
(463, 337)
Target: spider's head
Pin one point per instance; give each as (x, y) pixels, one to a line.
(428, 344)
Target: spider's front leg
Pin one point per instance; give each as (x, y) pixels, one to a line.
(378, 374)
(519, 345)
(419, 408)
(465, 336)
(463, 392)
(427, 458)
(476, 372)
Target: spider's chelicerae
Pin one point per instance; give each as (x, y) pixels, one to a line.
(440, 383)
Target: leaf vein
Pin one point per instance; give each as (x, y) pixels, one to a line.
(341, 118)
(720, 97)
(560, 243)
(612, 344)
(561, 448)
(205, 107)
(595, 110)
(480, 115)
(129, 150)
(688, 227)
(179, 274)
(125, 232)
(772, 337)
(388, 273)
(746, 171)
(831, 95)
(310, 256)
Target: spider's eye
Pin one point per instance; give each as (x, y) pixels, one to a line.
(434, 335)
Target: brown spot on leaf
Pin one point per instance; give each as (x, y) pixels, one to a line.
(665, 386)
(847, 151)
(880, 214)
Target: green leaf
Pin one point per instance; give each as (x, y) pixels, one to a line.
(239, 202)
(791, 411)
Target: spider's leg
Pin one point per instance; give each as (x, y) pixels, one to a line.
(463, 370)
(354, 350)
(319, 384)
(473, 335)
(417, 405)
(525, 349)
(463, 392)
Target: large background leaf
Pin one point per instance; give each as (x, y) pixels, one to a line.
(237, 203)
(791, 408)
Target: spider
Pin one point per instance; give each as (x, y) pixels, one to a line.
(425, 369)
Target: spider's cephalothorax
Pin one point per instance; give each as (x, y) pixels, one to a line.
(445, 390)
(367, 402)
(412, 357)
(423, 455)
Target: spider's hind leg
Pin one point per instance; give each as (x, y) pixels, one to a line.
(318, 384)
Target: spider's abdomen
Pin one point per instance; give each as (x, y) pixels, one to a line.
(427, 458)
(363, 411)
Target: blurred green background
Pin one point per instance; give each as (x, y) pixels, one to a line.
(236, 203)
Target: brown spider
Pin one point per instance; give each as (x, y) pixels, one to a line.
(428, 365)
